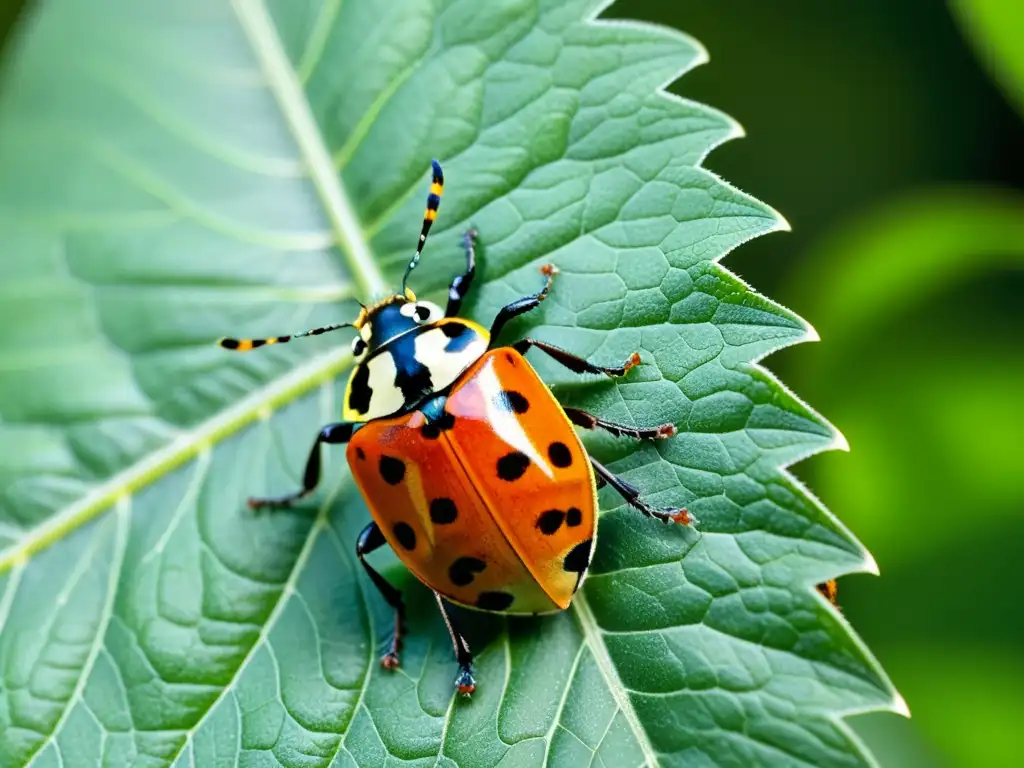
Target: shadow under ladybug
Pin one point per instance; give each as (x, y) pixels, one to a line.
(472, 470)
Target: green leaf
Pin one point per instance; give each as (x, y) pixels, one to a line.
(179, 171)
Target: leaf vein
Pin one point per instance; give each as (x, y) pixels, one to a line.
(592, 636)
(120, 547)
(283, 82)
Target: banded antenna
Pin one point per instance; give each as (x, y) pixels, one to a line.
(244, 345)
(433, 201)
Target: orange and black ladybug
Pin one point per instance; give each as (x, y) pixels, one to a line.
(470, 467)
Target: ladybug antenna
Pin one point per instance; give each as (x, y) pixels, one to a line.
(433, 201)
(244, 345)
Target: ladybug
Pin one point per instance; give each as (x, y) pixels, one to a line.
(472, 470)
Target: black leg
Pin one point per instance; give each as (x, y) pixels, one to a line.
(631, 494)
(461, 284)
(525, 304)
(575, 363)
(590, 421)
(370, 539)
(331, 434)
(465, 683)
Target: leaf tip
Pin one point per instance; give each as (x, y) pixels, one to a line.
(782, 224)
(899, 705)
(736, 129)
(839, 442)
(871, 565)
(700, 52)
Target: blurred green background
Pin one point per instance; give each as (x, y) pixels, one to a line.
(891, 135)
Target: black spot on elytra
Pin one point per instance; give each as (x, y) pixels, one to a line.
(443, 511)
(433, 429)
(360, 453)
(573, 517)
(512, 465)
(549, 522)
(392, 470)
(360, 393)
(462, 572)
(406, 535)
(510, 358)
(513, 401)
(560, 454)
(578, 559)
(494, 601)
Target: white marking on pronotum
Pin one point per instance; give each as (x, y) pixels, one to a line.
(446, 367)
(386, 398)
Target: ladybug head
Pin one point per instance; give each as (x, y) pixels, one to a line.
(384, 380)
(390, 318)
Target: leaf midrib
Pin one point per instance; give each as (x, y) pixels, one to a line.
(593, 640)
(285, 85)
(260, 404)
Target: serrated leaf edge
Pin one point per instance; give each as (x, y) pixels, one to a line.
(897, 703)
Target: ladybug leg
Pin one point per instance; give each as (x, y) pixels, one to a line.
(332, 434)
(575, 363)
(631, 494)
(590, 421)
(525, 304)
(370, 539)
(465, 683)
(460, 285)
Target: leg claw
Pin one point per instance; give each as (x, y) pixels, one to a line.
(670, 515)
(389, 660)
(682, 517)
(465, 683)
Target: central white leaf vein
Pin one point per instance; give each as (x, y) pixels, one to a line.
(592, 637)
(287, 89)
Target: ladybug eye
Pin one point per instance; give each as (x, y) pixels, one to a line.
(358, 347)
(422, 312)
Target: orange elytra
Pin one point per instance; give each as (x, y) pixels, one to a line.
(472, 470)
